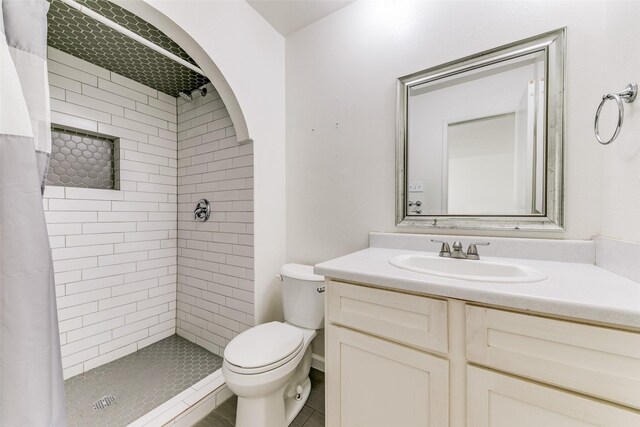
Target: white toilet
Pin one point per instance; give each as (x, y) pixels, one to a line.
(267, 366)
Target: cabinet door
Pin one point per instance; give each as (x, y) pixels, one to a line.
(373, 382)
(497, 400)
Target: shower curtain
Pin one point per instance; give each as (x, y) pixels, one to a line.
(31, 385)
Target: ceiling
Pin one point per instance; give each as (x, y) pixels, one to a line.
(288, 16)
(83, 37)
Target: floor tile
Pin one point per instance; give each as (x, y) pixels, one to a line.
(139, 382)
(311, 414)
(315, 420)
(302, 417)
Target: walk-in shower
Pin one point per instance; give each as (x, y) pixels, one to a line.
(147, 297)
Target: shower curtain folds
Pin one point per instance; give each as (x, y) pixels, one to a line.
(31, 384)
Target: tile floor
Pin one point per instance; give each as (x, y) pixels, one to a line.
(139, 382)
(311, 415)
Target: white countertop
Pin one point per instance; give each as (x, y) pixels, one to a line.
(576, 290)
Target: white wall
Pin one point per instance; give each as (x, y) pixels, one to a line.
(250, 55)
(620, 201)
(215, 258)
(341, 76)
(114, 251)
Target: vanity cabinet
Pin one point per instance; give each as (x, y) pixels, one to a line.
(380, 373)
(404, 360)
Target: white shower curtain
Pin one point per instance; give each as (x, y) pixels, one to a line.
(31, 385)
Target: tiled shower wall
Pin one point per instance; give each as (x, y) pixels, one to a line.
(215, 258)
(114, 251)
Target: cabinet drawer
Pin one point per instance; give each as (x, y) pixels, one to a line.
(498, 400)
(595, 360)
(414, 320)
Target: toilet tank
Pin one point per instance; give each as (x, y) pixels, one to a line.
(302, 296)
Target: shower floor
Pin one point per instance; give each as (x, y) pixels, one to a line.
(139, 382)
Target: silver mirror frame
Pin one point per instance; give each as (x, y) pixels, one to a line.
(553, 44)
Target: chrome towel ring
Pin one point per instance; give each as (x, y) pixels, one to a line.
(628, 95)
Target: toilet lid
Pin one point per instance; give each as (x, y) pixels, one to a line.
(263, 345)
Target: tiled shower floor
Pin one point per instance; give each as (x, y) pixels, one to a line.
(140, 382)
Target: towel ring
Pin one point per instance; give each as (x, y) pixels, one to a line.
(628, 95)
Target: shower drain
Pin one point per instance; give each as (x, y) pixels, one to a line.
(104, 402)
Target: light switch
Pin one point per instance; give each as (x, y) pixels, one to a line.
(416, 187)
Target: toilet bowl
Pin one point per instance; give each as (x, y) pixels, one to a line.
(267, 366)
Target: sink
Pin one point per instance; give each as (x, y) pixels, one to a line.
(474, 270)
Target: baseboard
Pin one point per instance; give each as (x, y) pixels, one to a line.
(317, 362)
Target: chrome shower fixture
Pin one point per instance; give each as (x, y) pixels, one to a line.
(188, 96)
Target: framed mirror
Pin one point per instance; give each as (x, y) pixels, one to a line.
(479, 140)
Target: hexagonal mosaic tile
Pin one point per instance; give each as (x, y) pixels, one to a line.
(83, 37)
(81, 160)
(139, 382)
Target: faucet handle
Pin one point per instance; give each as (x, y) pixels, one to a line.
(472, 251)
(445, 251)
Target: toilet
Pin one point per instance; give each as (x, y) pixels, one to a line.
(267, 366)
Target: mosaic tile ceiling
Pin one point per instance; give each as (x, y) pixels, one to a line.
(81, 36)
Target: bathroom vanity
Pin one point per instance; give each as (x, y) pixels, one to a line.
(411, 349)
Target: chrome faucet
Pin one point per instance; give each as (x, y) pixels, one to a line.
(458, 253)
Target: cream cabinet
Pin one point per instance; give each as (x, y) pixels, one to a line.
(401, 360)
(497, 400)
(377, 383)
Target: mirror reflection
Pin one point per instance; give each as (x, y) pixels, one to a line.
(476, 141)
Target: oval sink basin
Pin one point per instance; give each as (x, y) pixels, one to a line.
(474, 270)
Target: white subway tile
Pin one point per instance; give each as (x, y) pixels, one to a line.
(120, 258)
(134, 287)
(146, 313)
(54, 54)
(94, 329)
(94, 239)
(83, 298)
(72, 73)
(108, 96)
(70, 217)
(134, 206)
(79, 357)
(107, 303)
(79, 252)
(123, 341)
(112, 270)
(90, 285)
(101, 316)
(93, 103)
(74, 264)
(109, 357)
(92, 194)
(67, 120)
(144, 275)
(108, 227)
(164, 105)
(62, 82)
(122, 91)
(121, 216)
(67, 277)
(121, 132)
(131, 84)
(139, 117)
(135, 327)
(85, 343)
(77, 310)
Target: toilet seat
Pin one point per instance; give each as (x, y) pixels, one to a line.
(263, 348)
